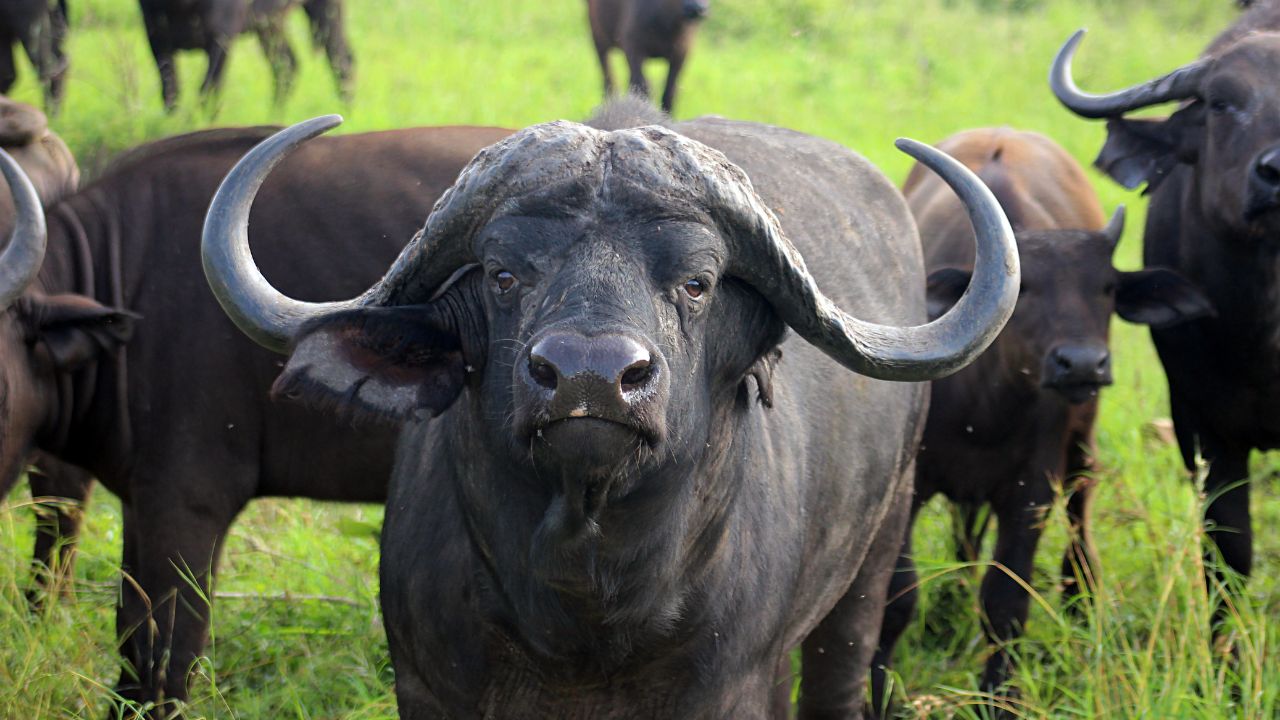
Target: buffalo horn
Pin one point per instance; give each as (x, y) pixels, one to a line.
(1177, 85)
(918, 353)
(24, 252)
(263, 313)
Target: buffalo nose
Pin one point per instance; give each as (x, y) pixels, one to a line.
(1267, 168)
(695, 9)
(1078, 365)
(590, 370)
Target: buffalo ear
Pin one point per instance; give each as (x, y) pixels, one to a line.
(1160, 297)
(383, 363)
(75, 329)
(944, 288)
(1138, 151)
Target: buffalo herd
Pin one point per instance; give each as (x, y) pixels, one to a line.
(652, 404)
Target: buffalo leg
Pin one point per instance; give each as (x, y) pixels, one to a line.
(602, 52)
(172, 543)
(211, 88)
(1019, 525)
(58, 523)
(162, 50)
(674, 65)
(328, 29)
(635, 63)
(8, 71)
(1229, 527)
(1078, 563)
(837, 654)
(900, 607)
(284, 66)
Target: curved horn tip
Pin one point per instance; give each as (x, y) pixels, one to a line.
(1115, 226)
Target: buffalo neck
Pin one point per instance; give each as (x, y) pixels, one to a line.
(639, 586)
(88, 422)
(1239, 272)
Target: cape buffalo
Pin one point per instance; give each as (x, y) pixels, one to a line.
(645, 29)
(604, 522)
(1019, 421)
(212, 25)
(25, 135)
(1213, 171)
(177, 423)
(40, 26)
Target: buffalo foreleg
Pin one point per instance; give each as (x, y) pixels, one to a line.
(275, 45)
(1005, 601)
(1079, 562)
(172, 542)
(674, 65)
(328, 29)
(8, 71)
(60, 493)
(1228, 525)
(900, 607)
(211, 88)
(635, 63)
(839, 651)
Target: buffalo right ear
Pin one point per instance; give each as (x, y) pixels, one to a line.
(1138, 151)
(75, 329)
(382, 363)
(944, 288)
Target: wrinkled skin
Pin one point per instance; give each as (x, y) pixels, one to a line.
(40, 26)
(1018, 423)
(1215, 218)
(645, 29)
(25, 135)
(177, 422)
(641, 492)
(212, 25)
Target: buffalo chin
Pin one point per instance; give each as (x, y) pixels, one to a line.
(1078, 393)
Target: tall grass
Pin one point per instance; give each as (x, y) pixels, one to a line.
(299, 634)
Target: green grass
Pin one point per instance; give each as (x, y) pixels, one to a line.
(300, 637)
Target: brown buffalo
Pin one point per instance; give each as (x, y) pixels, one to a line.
(170, 412)
(645, 29)
(1018, 422)
(25, 135)
(1212, 169)
(212, 25)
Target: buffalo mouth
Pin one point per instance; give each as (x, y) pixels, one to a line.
(1077, 393)
(592, 444)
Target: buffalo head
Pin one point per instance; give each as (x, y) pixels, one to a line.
(1228, 129)
(600, 296)
(1057, 337)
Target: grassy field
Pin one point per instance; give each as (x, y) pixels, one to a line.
(298, 634)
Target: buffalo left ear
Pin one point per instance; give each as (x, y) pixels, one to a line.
(76, 329)
(386, 363)
(944, 288)
(1159, 297)
(1147, 150)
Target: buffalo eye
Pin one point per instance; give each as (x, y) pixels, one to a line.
(1219, 106)
(503, 281)
(694, 288)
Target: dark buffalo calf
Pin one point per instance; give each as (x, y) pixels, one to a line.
(645, 29)
(212, 25)
(1013, 425)
(40, 26)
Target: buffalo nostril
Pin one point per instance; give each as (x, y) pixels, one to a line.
(543, 372)
(636, 375)
(1267, 168)
(1062, 361)
(1268, 174)
(1102, 364)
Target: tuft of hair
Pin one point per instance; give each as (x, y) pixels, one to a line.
(628, 111)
